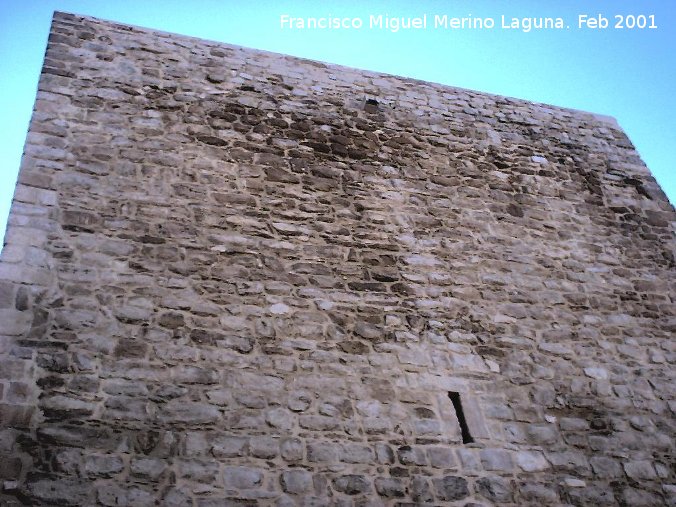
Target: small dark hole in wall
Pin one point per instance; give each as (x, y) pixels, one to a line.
(460, 415)
(371, 106)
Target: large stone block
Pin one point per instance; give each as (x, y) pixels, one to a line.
(296, 482)
(242, 477)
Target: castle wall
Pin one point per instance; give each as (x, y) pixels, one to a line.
(233, 277)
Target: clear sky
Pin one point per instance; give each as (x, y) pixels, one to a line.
(622, 72)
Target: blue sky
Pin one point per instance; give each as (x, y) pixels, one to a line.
(626, 73)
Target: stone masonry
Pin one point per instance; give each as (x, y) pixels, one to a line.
(237, 278)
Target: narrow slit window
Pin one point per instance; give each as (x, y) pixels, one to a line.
(460, 415)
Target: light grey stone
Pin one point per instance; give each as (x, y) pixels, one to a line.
(264, 447)
(148, 467)
(352, 484)
(390, 487)
(103, 465)
(292, 449)
(605, 467)
(441, 457)
(640, 470)
(229, 446)
(496, 460)
(296, 482)
(496, 489)
(451, 488)
(531, 461)
(242, 477)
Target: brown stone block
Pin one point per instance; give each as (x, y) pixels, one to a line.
(15, 416)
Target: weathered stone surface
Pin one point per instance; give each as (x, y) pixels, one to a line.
(200, 471)
(495, 489)
(640, 498)
(148, 467)
(264, 447)
(352, 484)
(178, 411)
(318, 452)
(356, 453)
(230, 279)
(296, 482)
(103, 465)
(593, 495)
(6, 294)
(640, 470)
(228, 446)
(545, 494)
(176, 498)
(113, 495)
(318, 422)
(441, 457)
(390, 487)
(421, 491)
(411, 455)
(606, 467)
(292, 449)
(60, 491)
(496, 459)
(531, 461)
(450, 488)
(242, 477)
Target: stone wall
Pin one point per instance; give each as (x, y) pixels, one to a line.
(233, 277)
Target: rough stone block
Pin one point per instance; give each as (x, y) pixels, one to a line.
(7, 290)
(112, 495)
(15, 416)
(10, 467)
(572, 461)
(411, 455)
(421, 491)
(450, 488)
(201, 471)
(640, 470)
(296, 482)
(264, 447)
(318, 452)
(60, 491)
(531, 461)
(356, 453)
(148, 468)
(103, 465)
(228, 446)
(279, 418)
(318, 422)
(242, 477)
(605, 467)
(352, 484)
(14, 322)
(390, 487)
(496, 460)
(533, 492)
(292, 449)
(13, 369)
(441, 457)
(496, 489)
(179, 411)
